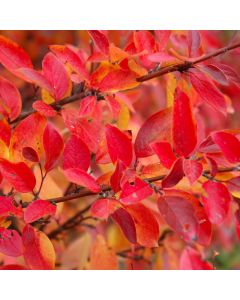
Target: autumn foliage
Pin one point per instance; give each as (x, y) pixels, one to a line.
(119, 150)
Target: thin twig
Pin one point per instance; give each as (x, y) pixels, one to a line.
(181, 67)
(56, 105)
(85, 192)
(68, 223)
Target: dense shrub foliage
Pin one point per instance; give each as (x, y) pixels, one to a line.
(119, 150)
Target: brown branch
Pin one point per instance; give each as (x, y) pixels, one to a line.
(70, 222)
(85, 192)
(56, 105)
(187, 64)
(178, 67)
(78, 218)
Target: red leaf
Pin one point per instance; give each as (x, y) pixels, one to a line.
(30, 154)
(231, 75)
(192, 169)
(102, 208)
(215, 73)
(229, 145)
(100, 41)
(213, 166)
(157, 127)
(207, 91)
(7, 207)
(12, 56)
(174, 175)
(44, 109)
(87, 106)
(114, 106)
(19, 175)
(116, 177)
(147, 227)
(10, 242)
(184, 214)
(38, 253)
(162, 37)
(89, 132)
(119, 145)
(13, 267)
(194, 42)
(144, 40)
(76, 154)
(218, 202)
(192, 260)
(10, 99)
(233, 184)
(53, 146)
(126, 223)
(72, 57)
(184, 128)
(57, 75)
(237, 222)
(81, 178)
(33, 76)
(39, 209)
(133, 192)
(160, 57)
(5, 132)
(165, 153)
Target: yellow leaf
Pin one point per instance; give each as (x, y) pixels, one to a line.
(123, 117)
(170, 89)
(4, 151)
(140, 71)
(46, 97)
(115, 238)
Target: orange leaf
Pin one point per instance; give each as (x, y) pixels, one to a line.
(102, 258)
(34, 125)
(147, 227)
(38, 253)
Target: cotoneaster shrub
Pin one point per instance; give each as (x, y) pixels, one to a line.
(121, 151)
